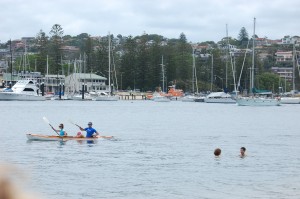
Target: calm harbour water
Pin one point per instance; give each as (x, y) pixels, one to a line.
(161, 150)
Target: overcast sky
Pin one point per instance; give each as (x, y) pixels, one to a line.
(199, 20)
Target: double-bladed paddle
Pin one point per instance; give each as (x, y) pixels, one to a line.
(75, 124)
(47, 121)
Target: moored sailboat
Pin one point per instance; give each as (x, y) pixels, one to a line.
(109, 95)
(222, 97)
(264, 98)
(291, 97)
(161, 96)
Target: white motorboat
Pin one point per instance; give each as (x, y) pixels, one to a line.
(106, 97)
(78, 97)
(49, 95)
(200, 99)
(160, 98)
(219, 97)
(62, 97)
(188, 98)
(290, 100)
(193, 98)
(23, 90)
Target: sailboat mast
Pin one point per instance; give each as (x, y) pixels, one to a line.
(11, 64)
(75, 75)
(109, 88)
(294, 65)
(163, 73)
(193, 79)
(47, 78)
(212, 72)
(227, 55)
(25, 58)
(84, 66)
(253, 54)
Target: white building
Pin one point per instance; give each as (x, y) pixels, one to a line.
(232, 48)
(290, 40)
(283, 72)
(3, 65)
(53, 82)
(284, 56)
(92, 82)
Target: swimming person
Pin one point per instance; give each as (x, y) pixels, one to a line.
(242, 151)
(217, 152)
(61, 132)
(90, 132)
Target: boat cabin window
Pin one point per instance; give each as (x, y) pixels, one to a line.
(30, 82)
(28, 89)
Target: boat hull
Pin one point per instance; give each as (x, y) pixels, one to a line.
(107, 98)
(219, 97)
(220, 100)
(249, 101)
(188, 99)
(161, 99)
(11, 96)
(79, 98)
(290, 100)
(38, 137)
(200, 99)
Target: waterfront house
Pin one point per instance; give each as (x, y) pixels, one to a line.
(91, 82)
(283, 72)
(53, 83)
(284, 56)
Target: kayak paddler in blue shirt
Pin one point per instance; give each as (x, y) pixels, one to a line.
(61, 132)
(90, 132)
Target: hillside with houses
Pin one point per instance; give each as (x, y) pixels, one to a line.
(136, 61)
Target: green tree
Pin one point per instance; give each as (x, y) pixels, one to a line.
(155, 60)
(142, 65)
(101, 58)
(88, 52)
(219, 70)
(128, 63)
(183, 59)
(243, 37)
(56, 43)
(268, 81)
(42, 43)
